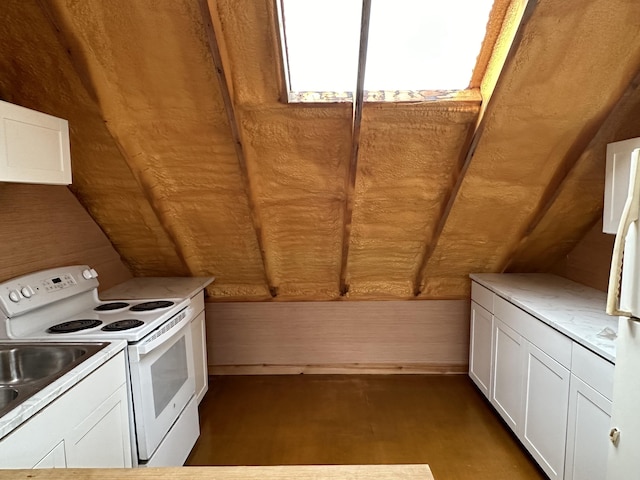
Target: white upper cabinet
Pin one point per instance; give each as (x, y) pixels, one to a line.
(617, 182)
(34, 147)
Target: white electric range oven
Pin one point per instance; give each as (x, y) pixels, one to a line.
(62, 304)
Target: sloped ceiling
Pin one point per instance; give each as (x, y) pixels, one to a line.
(185, 156)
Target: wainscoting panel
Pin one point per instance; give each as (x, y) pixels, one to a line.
(427, 336)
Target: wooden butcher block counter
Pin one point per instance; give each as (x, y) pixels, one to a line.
(311, 472)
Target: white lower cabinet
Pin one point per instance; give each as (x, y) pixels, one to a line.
(546, 397)
(86, 442)
(589, 420)
(87, 426)
(199, 336)
(56, 458)
(508, 374)
(480, 347)
(587, 432)
(552, 392)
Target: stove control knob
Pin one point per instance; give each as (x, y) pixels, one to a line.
(26, 292)
(94, 274)
(86, 273)
(14, 296)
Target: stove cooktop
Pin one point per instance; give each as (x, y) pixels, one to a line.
(130, 320)
(63, 304)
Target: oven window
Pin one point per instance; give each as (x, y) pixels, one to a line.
(168, 374)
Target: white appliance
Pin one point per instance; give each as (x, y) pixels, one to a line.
(62, 304)
(623, 300)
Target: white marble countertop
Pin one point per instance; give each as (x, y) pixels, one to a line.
(14, 418)
(572, 309)
(156, 287)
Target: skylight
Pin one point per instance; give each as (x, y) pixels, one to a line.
(413, 45)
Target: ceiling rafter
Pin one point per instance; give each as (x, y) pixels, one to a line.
(350, 184)
(468, 152)
(558, 183)
(214, 48)
(85, 80)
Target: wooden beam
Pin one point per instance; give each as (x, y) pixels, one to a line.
(494, 26)
(85, 80)
(356, 124)
(553, 190)
(472, 142)
(237, 140)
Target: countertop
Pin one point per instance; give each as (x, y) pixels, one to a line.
(156, 287)
(27, 409)
(293, 472)
(572, 309)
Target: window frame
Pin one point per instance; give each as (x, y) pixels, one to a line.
(498, 16)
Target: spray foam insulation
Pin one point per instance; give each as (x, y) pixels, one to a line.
(37, 73)
(548, 96)
(155, 157)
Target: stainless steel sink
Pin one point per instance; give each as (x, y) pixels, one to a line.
(20, 364)
(7, 396)
(26, 368)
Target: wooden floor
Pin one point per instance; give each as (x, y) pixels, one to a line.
(358, 419)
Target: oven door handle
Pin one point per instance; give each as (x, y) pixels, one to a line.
(159, 337)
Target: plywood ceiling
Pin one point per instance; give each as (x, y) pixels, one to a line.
(184, 155)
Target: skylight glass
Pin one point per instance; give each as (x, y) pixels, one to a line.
(322, 40)
(413, 45)
(424, 44)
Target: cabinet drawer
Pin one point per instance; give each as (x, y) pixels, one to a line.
(592, 370)
(550, 341)
(482, 296)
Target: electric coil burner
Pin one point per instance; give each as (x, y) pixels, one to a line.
(105, 307)
(122, 325)
(73, 326)
(154, 305)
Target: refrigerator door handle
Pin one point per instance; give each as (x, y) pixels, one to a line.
(629, 215)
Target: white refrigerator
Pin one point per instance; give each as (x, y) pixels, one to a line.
(623, 300)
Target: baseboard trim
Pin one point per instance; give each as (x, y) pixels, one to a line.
(354, 369)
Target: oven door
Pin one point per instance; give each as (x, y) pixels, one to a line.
(162, 380)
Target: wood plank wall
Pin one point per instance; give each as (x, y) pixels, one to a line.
(588, 263)
(423, 336)
(44, 226)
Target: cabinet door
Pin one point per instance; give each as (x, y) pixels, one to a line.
(102, 439)
(54, 459)
(34, 147)
(508, 374)
(480, 348)
(587, 432)
(198, 333)
(545, 411)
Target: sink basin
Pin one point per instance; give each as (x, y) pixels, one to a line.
(26, 368)
(20, 364)
(7, 396)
